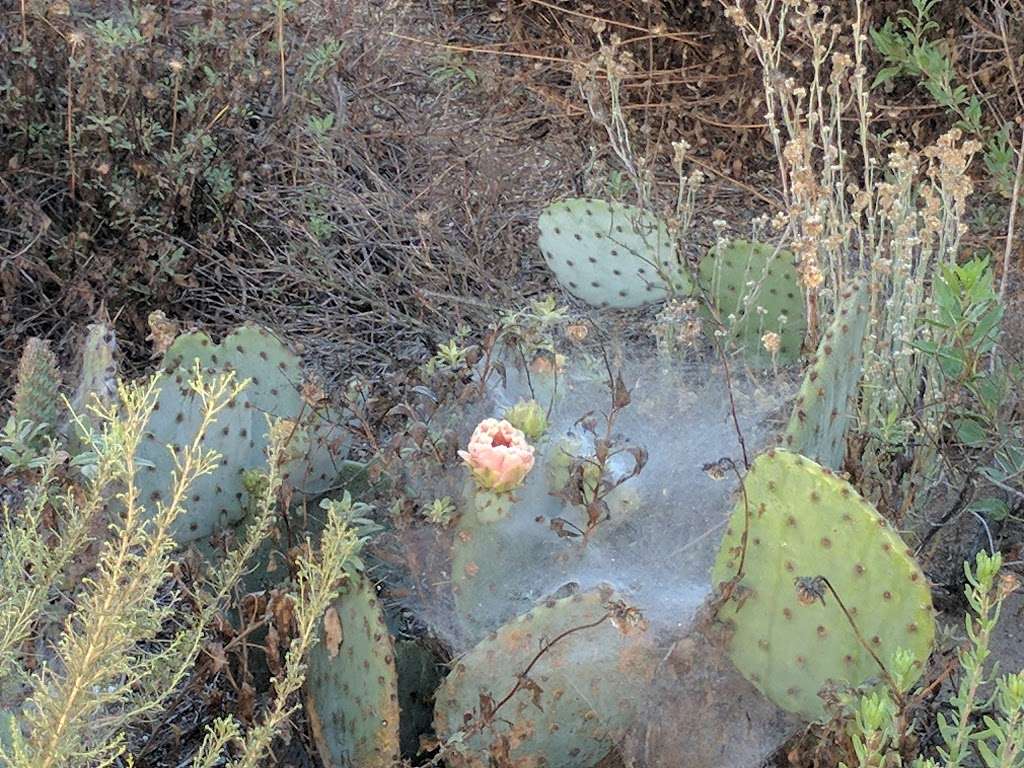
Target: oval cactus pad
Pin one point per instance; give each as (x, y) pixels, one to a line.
(755, 290)
(790, 641)
(352, 683)
(610, 254)
(580, 696)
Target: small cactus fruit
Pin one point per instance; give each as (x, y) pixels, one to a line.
(317, 439)
(215, 499)
(822, 413)
(609, 254)
(581, 664)
(809, 529)
(756, 291)
(529, 417)
(37, 393)
(352, 683)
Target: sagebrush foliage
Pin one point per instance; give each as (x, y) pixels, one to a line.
(96, 634)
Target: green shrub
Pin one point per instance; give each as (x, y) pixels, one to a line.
(96, 632)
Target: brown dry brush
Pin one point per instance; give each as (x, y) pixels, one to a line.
(310, 170)
(225, 162)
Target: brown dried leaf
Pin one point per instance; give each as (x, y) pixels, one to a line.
(333, 634)
(162, 332)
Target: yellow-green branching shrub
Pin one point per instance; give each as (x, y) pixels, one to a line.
(984, 721)
(95, 635)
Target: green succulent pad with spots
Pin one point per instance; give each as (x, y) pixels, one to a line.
(610, 254)
(824, 405)
(352, 683)
(215, 499)
(753, 287)
(581, 693)
(805, 523)
(97, 379)
(478, 555)
(318, 440)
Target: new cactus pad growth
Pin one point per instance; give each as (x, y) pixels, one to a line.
(37, 392)
(97, 379)
(787, 636)
(823, 409)
(756, 290)
(352, 684)
(585, 664)
(610, 254)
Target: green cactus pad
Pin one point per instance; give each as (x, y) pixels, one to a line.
(610, 254)
(97, 379)
(477, 555)
(751, 287)
(806, 522)
(352, 683)
(587, 686)
(37, 392)
(317, 442)
(822, 413)
(215, 499)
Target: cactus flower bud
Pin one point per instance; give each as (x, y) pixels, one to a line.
(498, 456)
(529, 417)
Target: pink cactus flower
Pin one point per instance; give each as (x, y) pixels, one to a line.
(498, 456)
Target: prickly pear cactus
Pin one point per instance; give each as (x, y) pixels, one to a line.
(609, 254)
(478, 555)
(97, 381)
(485, 537)
(215, 499)
(351, 683)
(755, 291)
(317, 440)
(37, 393)
(98, 376)
(581, 694)
(791, 638)
(822, 413)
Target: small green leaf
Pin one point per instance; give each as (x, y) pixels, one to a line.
(969, 432)
(885, 75)
(990, 508)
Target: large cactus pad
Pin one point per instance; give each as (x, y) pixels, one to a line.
(352, 684)
(317, 441)
(215, 499)
(609, 254)
(822, 413)
(805, 522)
(580, 698)
(755, 290)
